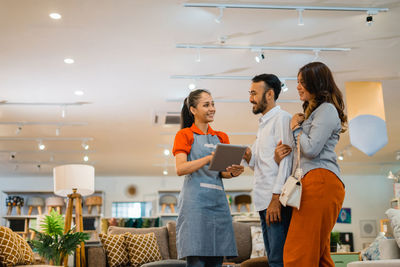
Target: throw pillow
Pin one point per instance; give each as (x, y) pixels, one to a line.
(142, 248)
(257, 242)
(27, 256)
(116, 252)
(9, 247)
(394, 218)
(372, 252)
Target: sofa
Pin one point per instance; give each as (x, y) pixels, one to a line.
(166, 240)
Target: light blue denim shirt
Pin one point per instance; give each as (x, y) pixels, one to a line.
(319, 136)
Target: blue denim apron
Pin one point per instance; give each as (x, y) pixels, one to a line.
(204, 225)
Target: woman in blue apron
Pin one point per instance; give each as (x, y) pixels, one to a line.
(204, 225)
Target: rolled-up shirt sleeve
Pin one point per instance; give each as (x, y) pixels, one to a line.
(252, 161)
(284, 133)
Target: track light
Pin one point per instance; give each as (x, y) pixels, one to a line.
(57, 131)
(259, 57)
(394, 177)
(165, 172)
(18, 130)
(198, 58)
(85, 158)
(38, 167)
(85, 145)
(12, 155)
(300, 21)
(63, 111)
(316, 57)
(221, 14)
(51, 158)
(41, 146)
(341, 157)
(369, 20)
(284, 86)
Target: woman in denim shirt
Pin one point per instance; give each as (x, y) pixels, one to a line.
(318, 129)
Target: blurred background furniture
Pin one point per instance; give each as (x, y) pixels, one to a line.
(243, 200)
(35, 202)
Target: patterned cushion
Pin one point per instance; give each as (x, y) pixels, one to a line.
(372, 252)
(142, 248)
(394, 218)
(27, 256)
(257, 242)
(116, 252)
(9, 249)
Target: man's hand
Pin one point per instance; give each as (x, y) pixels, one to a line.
(281, 151)
(274, 210)
(247, 155)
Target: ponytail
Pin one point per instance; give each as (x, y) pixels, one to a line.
(187, 118)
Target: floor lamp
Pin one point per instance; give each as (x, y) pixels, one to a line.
(74, 181)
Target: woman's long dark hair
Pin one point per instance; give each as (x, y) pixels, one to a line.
(318, 80)
(187, 118)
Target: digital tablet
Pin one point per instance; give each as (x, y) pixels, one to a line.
(226, 155)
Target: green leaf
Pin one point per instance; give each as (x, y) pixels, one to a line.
(53, 224)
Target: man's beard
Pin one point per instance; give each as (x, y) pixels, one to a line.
(260, 107)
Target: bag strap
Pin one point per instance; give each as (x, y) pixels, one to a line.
(297, 165)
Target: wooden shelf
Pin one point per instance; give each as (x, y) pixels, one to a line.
(13, 217)
(168, 214)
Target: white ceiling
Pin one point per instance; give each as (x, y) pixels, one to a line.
(125, 53)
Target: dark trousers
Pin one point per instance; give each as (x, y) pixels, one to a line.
(275, 235)
(195, 261)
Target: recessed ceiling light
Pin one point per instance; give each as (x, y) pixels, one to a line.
(55, 15)
(192, 86)
(79, 92)
(69, 61)
(166, 152)
(165, 172)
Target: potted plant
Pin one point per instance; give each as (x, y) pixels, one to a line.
(335, 241)
(52, 243)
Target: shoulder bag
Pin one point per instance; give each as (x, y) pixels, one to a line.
(291, 190)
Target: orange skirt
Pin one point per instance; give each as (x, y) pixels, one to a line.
(308, 239)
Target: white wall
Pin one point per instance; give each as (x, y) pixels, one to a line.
(367, 196)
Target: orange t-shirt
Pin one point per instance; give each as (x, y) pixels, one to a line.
(184, 138)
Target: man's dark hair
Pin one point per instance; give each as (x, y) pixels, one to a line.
(271, 82)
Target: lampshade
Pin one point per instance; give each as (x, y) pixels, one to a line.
(366, 113)
(73, 176)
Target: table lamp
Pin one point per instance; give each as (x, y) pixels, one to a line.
(74, 181)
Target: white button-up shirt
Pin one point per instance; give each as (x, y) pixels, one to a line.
(273, 127)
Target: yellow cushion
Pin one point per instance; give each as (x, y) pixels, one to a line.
(27, 256)
(9, 250)
(142, 248)
(116, 252)
(14, 249)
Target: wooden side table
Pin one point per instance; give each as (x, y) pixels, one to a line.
(341, 259)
